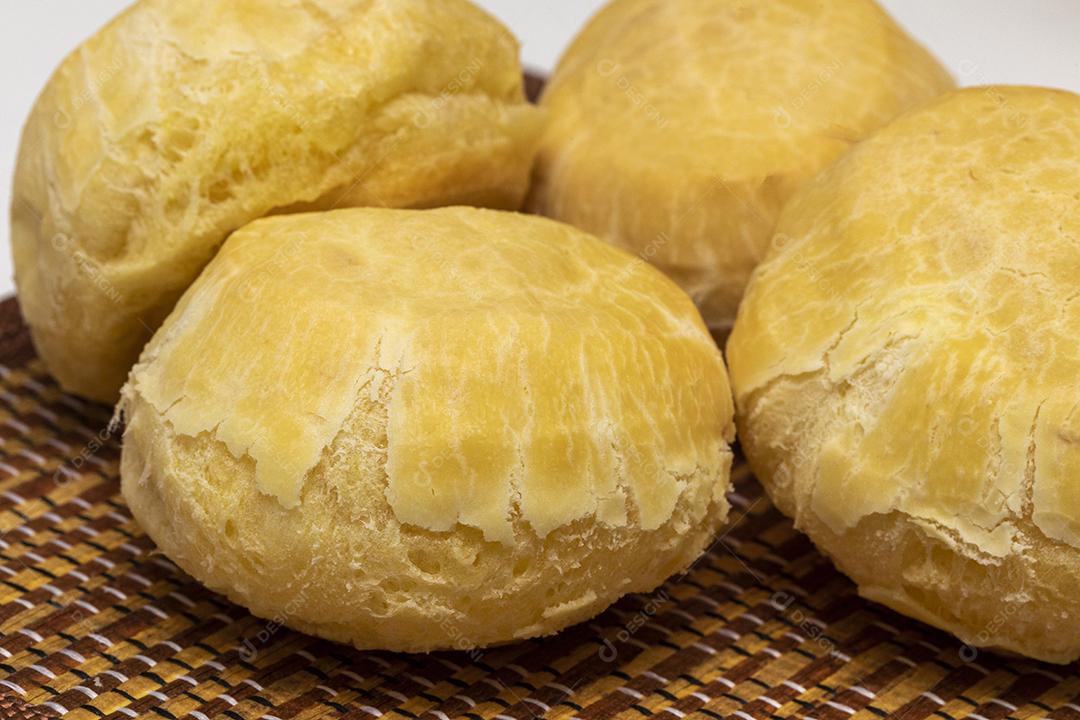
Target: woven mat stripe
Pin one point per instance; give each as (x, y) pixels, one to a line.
(22, 483)
(46, 401)
(90, 527)
(861, 694)
(137, 665)
(1009, 701)
(725, 684)
(1069, 710)
(11, 709)
(503, 674)
(578, 674)
(17, 491)
(187, 692)
(767, 698)
(631, 693)
(72, 445)
(79, 577)
(319, 694)
(67, 450)
(35, 556)
(389, 696)
(48, 586)
(195, 677)
(803, 679)
(504, 680)
(409, 675)
(530, 674)
(430, 675)
(381, 689)
(394, 689)
(1041, 690)
(446, 686)
(724, 687)
(132, 621)
(245, 691)
(119, 638)
(74, 613)
(940, 695)
(33, 403)
(838, 701)
(114, 679)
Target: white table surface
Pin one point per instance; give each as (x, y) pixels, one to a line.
(983, 41)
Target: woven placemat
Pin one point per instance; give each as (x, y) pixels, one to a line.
(94, 623)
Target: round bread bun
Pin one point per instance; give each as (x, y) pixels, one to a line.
(179, 122)
(906, 366)
(679, 129)
(415, 430)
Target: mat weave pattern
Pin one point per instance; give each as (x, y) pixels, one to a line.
(95, 624)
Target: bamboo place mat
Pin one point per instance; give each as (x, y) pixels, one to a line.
(95, 624)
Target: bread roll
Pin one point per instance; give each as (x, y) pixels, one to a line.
(679, 129)
(906, 367)
(182, 121)
(415, 430)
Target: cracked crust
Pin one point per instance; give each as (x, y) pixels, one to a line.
(679, 129)
(422, 430)
(180, 122)
(905, 367)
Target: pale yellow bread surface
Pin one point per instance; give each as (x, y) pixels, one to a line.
(181, 121)
(679, 128)
(907, 368)
(415, 430)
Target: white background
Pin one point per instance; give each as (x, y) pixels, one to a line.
(983, 41)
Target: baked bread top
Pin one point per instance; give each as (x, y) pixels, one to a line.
(179, 122)
(679, 129)
(529, 365)
(905, 365)
(418, 430)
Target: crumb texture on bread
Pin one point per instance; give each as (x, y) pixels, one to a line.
(905, 367)
(431, 413)
(179, 122)
(679, 129)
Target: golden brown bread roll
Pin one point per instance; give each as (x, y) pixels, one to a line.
(679, 129)
(906, 366)
(414, 430)
(181, 121)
